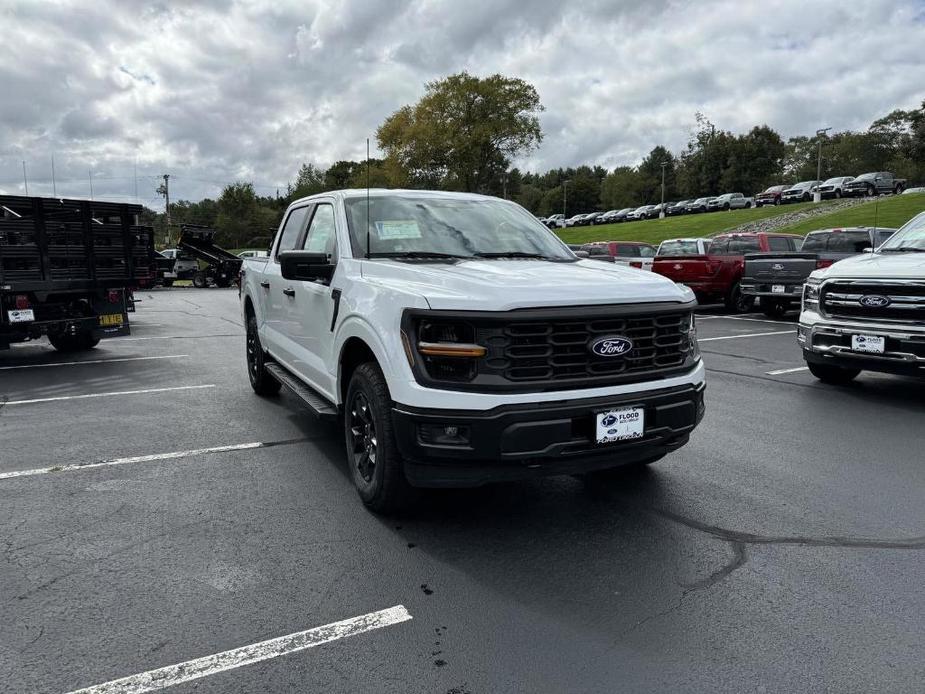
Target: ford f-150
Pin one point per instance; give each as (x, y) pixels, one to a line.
(459, 341)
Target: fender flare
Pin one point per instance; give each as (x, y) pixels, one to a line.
(355, 327)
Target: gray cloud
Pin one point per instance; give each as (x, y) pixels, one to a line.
(214, 91)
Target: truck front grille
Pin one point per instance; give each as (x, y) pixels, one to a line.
(557, 350)
(904, 301)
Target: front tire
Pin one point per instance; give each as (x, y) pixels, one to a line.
(260, 379)
(748, 206)
(833, 375)
(376, 466)
(899, 189)
(871, 191)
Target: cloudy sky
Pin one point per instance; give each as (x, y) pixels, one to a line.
(221, 90)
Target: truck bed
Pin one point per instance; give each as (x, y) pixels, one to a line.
(51, 244)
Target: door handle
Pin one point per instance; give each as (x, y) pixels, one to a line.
(289, 291)
(265, 285)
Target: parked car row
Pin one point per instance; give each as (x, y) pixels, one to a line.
(868, 184)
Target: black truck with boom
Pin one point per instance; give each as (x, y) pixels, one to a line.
(775, 280)
(67, 269)
(221, 267)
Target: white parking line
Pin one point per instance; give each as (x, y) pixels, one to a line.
(105, 395)
(164, 677)
(172, 455)
(735, 337)
(172, 337)
(90, 361)
(787, 371)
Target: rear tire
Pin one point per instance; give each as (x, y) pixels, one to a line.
(774, 309)
(870, 192)
(737, 302)
(376, 466)
(837, 193)
(833, 375)
(261, 380)
(748, 206)
(777, 201)
(200, 281)
(899, 189)
(74, 343)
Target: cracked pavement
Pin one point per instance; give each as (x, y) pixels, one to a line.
(780, 551)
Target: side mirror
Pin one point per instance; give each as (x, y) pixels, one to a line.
(868, 249)
(306, 266)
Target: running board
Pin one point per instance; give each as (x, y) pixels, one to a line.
(320, 407)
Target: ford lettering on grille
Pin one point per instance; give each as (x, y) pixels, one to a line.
(874, 301)
(611, 346)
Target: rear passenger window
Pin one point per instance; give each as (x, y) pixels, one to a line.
(779, 243)
(720, 247)
(742, 246)
(627, 251)
(647, 251)
(295, 222)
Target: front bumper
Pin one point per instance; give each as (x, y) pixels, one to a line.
(538, 439)
(829, 342)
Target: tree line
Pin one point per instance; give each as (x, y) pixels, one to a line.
(465, 132)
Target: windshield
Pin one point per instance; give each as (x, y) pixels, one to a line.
(678, 248)
(910, 235)
(866, 177)
(448, 226)
(839, 179)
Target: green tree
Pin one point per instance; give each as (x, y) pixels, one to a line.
(463, 132)
(309, 181)
(622, 188)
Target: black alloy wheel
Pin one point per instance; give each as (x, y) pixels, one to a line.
(365, 449)
(260, 379)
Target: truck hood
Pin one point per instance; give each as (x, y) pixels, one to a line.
(876, 266)
(501, 285)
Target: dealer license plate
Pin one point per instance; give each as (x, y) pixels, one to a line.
(111, 319)
(26, 315)
(621, 425)
(778, 289)
(875, 344)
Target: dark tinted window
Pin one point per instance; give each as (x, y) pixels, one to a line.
(291, 230)
(595, 250)
(838, 242)
(779, 243)
(739, 246)
(647, 251)
(882, 236)
(719, 247)
(627, 250)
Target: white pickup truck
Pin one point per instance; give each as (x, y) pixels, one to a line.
(460, 341)
(868, 312)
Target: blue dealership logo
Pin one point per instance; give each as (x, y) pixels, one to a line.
(611, 346)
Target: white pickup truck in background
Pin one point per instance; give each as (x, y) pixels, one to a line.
(868, 312)
(461, 342)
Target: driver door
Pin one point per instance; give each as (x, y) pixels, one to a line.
(311, 309)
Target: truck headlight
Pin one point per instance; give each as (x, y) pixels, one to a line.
(811, 295)
(448, 349)
(692, 345)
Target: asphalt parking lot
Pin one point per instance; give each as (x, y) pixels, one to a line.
(154, 511)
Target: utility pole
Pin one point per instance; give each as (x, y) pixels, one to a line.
(25, 180)
(661, 210)
(90, 177)
(135, 177)
(164, 189)
(565, 198)
(54, 187)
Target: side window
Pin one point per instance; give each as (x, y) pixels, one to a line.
(647, 251)
(720, 247)
(778, 243)
(291, 229)
(627, 251)
(321, 237)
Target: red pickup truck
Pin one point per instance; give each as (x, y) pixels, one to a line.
(715, 275)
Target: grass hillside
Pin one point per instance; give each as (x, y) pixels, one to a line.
(656, 230)
(887, 212)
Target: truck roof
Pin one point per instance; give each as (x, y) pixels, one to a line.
(347, 193)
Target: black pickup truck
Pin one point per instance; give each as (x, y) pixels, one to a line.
(775, 280)
(67, 269)
(874, 183)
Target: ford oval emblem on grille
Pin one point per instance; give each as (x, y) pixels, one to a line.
(777, 267)
(611, 346)
(874, 301)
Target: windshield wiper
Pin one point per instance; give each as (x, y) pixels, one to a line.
(417, 254)
(903, 249)
(512, 254)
